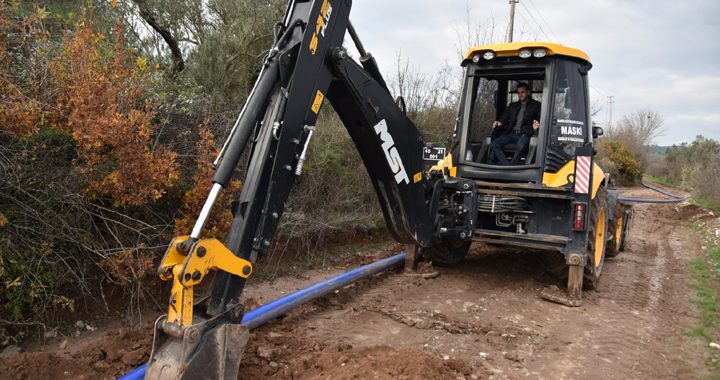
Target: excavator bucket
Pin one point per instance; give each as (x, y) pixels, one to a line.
(189, 342)
(209, 349)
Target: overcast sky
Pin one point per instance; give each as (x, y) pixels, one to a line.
(657, 54)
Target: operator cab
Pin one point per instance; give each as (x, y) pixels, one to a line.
(557, 78)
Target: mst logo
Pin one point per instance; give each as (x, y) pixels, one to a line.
(391, 153)
(323, 19)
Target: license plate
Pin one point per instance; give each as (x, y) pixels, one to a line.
(433, 154)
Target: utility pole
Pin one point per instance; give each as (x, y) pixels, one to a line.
(611, 101)
(512, 19)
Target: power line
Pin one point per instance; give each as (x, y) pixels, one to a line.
(528, 25)
(595, 83)
(543, 19)
(533, 17)
(599, 93)
(597, 88)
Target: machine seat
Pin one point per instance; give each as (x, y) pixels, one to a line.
(487, 156)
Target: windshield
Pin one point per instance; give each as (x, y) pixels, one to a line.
(492, 96)
(569, 129)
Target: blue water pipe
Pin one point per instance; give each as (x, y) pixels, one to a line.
(282, 305)
(676, 200)
(136, 374)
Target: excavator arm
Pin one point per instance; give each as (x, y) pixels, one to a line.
(306, 65)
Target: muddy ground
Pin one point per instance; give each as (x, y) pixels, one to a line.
(482, 320)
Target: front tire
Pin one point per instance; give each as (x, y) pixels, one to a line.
(447, 253)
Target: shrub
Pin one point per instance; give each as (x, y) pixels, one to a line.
(656, 166)
(623, 163)
(334, 192)
(81, 170)
(697, 165)
(101, 103)
(218, 225)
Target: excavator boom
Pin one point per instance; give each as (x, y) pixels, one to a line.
(306, 65)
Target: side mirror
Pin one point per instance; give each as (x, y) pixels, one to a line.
(597, 132)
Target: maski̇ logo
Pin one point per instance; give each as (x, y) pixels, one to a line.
(391, 153)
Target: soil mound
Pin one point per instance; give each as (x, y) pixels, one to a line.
(695, 213)
(120, 352)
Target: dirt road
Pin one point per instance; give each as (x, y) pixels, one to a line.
(484, 319)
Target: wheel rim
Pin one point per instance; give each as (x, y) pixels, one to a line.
(618, 233)
(599, 238)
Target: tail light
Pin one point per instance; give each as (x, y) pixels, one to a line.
(579, 216)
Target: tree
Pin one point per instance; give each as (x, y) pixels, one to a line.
(688, 162)
(431, 102)
(638, 130)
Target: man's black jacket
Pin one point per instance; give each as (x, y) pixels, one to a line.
(509, 118)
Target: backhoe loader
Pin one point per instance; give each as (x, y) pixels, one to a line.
(438, 197)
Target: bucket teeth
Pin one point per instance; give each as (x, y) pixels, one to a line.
(208, 349)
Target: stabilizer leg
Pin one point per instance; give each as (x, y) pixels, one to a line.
(573, 297)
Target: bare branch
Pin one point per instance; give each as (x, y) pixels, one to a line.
(147, 15)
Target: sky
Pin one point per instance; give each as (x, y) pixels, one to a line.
(662, 55)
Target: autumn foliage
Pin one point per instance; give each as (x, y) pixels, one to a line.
(83, 168)
(102, 105)
(220, 219)
(19, 111)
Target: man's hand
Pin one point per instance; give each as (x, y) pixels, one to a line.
(496, 124)
(536, 125)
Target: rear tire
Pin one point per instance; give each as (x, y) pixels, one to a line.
(627, 220)
(447, 253)
(597, 239)
(616, 228)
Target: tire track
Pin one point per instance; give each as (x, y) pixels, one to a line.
(624, 315)
(488, 313)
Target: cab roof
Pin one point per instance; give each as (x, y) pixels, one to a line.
(513, 49)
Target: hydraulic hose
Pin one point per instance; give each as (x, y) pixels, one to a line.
(640, 200)
(284, 304)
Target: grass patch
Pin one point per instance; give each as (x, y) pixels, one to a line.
(354, 249)
(704, 274)
(666, 181)
(695, 226)
(698, 332)
(715, 206)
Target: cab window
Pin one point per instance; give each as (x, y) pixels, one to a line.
(569, 120)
